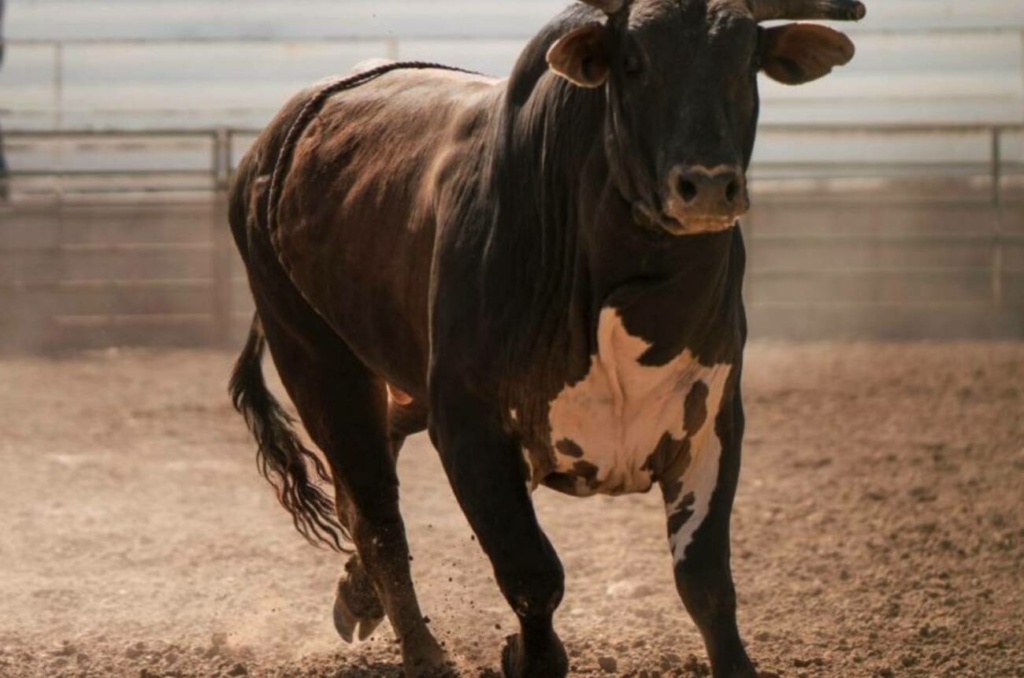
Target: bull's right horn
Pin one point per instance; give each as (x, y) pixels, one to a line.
(795, 10)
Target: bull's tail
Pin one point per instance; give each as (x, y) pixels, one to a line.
(282, 458)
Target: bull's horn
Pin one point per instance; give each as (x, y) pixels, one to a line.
(835, 10)
(607, 6)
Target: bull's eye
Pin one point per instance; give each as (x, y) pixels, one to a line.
(631, 64)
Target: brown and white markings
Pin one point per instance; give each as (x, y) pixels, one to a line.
(627, 425)
(545, 267)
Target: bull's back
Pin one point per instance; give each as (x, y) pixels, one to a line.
(355, 220)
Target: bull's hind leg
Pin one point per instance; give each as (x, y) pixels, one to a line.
(357, 608)
(345, 409)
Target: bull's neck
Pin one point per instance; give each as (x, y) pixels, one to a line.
(546, 135)
(677, 293)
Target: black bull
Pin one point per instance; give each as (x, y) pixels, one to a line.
(545, 272)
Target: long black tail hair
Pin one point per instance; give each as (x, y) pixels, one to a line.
(281, 457)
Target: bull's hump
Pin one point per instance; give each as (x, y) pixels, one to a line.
(627, 424)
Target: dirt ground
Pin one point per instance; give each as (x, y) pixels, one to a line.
(879, 530)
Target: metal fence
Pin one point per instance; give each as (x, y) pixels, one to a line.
(226, 144)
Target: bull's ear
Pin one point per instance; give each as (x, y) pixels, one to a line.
(582, 56)
(797, 53)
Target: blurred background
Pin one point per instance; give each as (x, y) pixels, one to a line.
(888, 197)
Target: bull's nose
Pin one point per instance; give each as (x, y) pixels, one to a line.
(699, 192)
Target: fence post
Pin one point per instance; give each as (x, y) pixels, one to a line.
(221, 239)
(58, 114)
(997, 207)
(58, 85)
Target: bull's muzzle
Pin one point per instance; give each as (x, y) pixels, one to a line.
(703, 199)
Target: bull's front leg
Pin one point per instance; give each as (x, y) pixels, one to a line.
(486, 471)
(698, 503)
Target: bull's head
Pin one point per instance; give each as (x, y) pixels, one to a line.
(681, 83)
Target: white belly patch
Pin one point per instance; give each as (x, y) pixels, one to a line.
(605, 429)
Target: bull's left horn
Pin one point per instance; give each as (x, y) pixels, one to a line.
(834, 10)
(607, 6)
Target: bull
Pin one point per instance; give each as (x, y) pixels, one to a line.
(545, 272)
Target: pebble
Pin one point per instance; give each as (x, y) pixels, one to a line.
(608, 664)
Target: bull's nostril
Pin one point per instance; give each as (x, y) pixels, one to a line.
(732, 191)
(688, 190)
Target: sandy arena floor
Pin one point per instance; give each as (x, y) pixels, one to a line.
(879, 531)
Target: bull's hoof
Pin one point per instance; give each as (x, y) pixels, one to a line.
(351, 626)
(512, 658)
(552, 662)
(357, 609)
